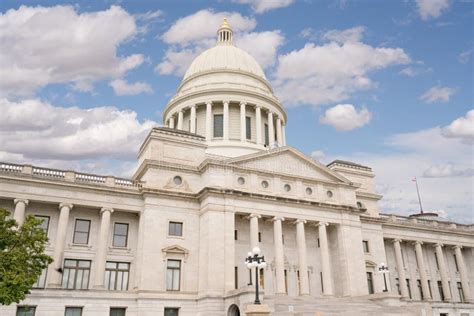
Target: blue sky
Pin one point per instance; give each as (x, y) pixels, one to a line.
(383, 83)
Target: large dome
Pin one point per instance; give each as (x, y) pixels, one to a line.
(224, 57)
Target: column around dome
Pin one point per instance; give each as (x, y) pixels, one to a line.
(192, 127)
(208, 120)
(279, 133)
(180, 120)
(258, 119)
(171, 122)
(271, 131)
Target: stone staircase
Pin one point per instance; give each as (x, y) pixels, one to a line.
(317, 306)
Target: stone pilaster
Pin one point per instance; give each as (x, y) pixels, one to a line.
(422, 268)
(302, 257)
(279, 257)
(401, 268)
(325, 262)
(443, 271)
(20, 209)
(101, 255)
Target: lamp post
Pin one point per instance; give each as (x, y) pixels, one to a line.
(254, 260)
(384, 270)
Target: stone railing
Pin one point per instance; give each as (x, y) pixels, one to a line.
(431, 223)
(69, 176)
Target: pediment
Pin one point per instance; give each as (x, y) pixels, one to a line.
(175, 249)
(288, 161)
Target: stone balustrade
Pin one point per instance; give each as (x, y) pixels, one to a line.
(70, 176)
(426, 222)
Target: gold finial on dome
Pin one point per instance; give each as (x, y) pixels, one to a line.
(224, 34)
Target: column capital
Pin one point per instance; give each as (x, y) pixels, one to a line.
(243, 103)
(181, 110)
(208, 102)
(24, 201)
(226, 102)
(106, 209)
(438, 244)
(417, 242)
(457, 247)
(278, 218)
(397, 240)
(258, 106)
(193, 106)
(68, 205)
(322, 224)
(300, 220)
(254, 215)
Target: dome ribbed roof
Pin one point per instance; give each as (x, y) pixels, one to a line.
(224, 57)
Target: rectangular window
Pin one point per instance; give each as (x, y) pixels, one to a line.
(429, 286)
(117, 311)
(116, 275)
(398, 286)
(73, 311)
(370, 282)
(286, 281)
(259, 237)
(236, 277)
(76, 274)
(173, 275)
(120, 235)
(40, 283)
(318, 243)
(322, 284)
(365, 244)
(261, 278)
(248, 127)
(408, 288)
(81, 231)
(461, 294)
(440, 290)
(283, 239)
(175, 229)
(171, 311)
(456, 263)
(420, 288)
(236, 235)
(218, 125)
(44, 223)
(267, 138)
(25, 310)
(298, 281)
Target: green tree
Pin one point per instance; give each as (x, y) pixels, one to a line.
(22, 257)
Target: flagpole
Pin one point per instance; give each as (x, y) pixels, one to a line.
(419, 198)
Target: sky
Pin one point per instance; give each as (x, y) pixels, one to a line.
(387, 84)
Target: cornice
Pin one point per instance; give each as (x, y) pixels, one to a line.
(368, 195)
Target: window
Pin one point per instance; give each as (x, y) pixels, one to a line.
(287, 187)
(171, 311)
(286, 281)
(461, 294)
(440, 290)
(236, 277)
(120, 235)
(236, 234)
(241, 180)
(40, 283)
(420, 288)
(365, 244)
(259, 237)
(173, 275)
(81, 231)
(264, 184)
(73, 311)
(117, 311)
(44, 223)
(370, 282)
(267, 138)
(25, 310)
(248, 128)
(322, 284)
(218, 125)
(309, 191)
(116, 275)
(408, 288)
(175, 229)
(282, 239)
(429, 286)
(261, 278)
(456, 263)
(177, 180)
(76, 274)
(397, 283)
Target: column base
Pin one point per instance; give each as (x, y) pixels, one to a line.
(53, 286)
(257, 310)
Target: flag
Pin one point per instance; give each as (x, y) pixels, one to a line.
(414, 179)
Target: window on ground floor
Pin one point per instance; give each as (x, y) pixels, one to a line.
(370, 282)
(173, 275)
(76, 274)
(25, 310)
(73, 311)
(117, 311)
(420, 288)
(461, 294)
(171, 311)
(116, 275)
(409, 288)
(440, 290)
(40, 283)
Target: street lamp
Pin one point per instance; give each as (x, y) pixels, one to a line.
(384, 270)
(254, 260)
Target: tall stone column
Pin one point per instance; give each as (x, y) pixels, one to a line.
(258, 121)
(401, 269)
(279, 259)
(279, 133)
(171, 122)
(180, 120)
(101, 255)
(463, 274)
(192, 123)
(283, 134)
(422, 268)
(208, 121)
(302, 258)
(55, 275)
(254, 230)
(243, 122)
(20, 208)
(226, 120)
(325, 262)
(271, 132)
(443, 272)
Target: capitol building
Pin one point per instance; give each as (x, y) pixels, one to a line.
(217, 180)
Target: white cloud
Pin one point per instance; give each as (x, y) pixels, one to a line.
(329, 73)
(354, 34)
(191, 35)
(38, 130)
(465, 56)
(318, 155)
(344, 117)
(428, 9)
(437, 94)
(59, 45)
(447, 170)
(462, 128)
(121, 87)
(261, 6)
(150, 16)
(414, 71)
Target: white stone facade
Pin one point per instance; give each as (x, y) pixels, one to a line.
(318, 226)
